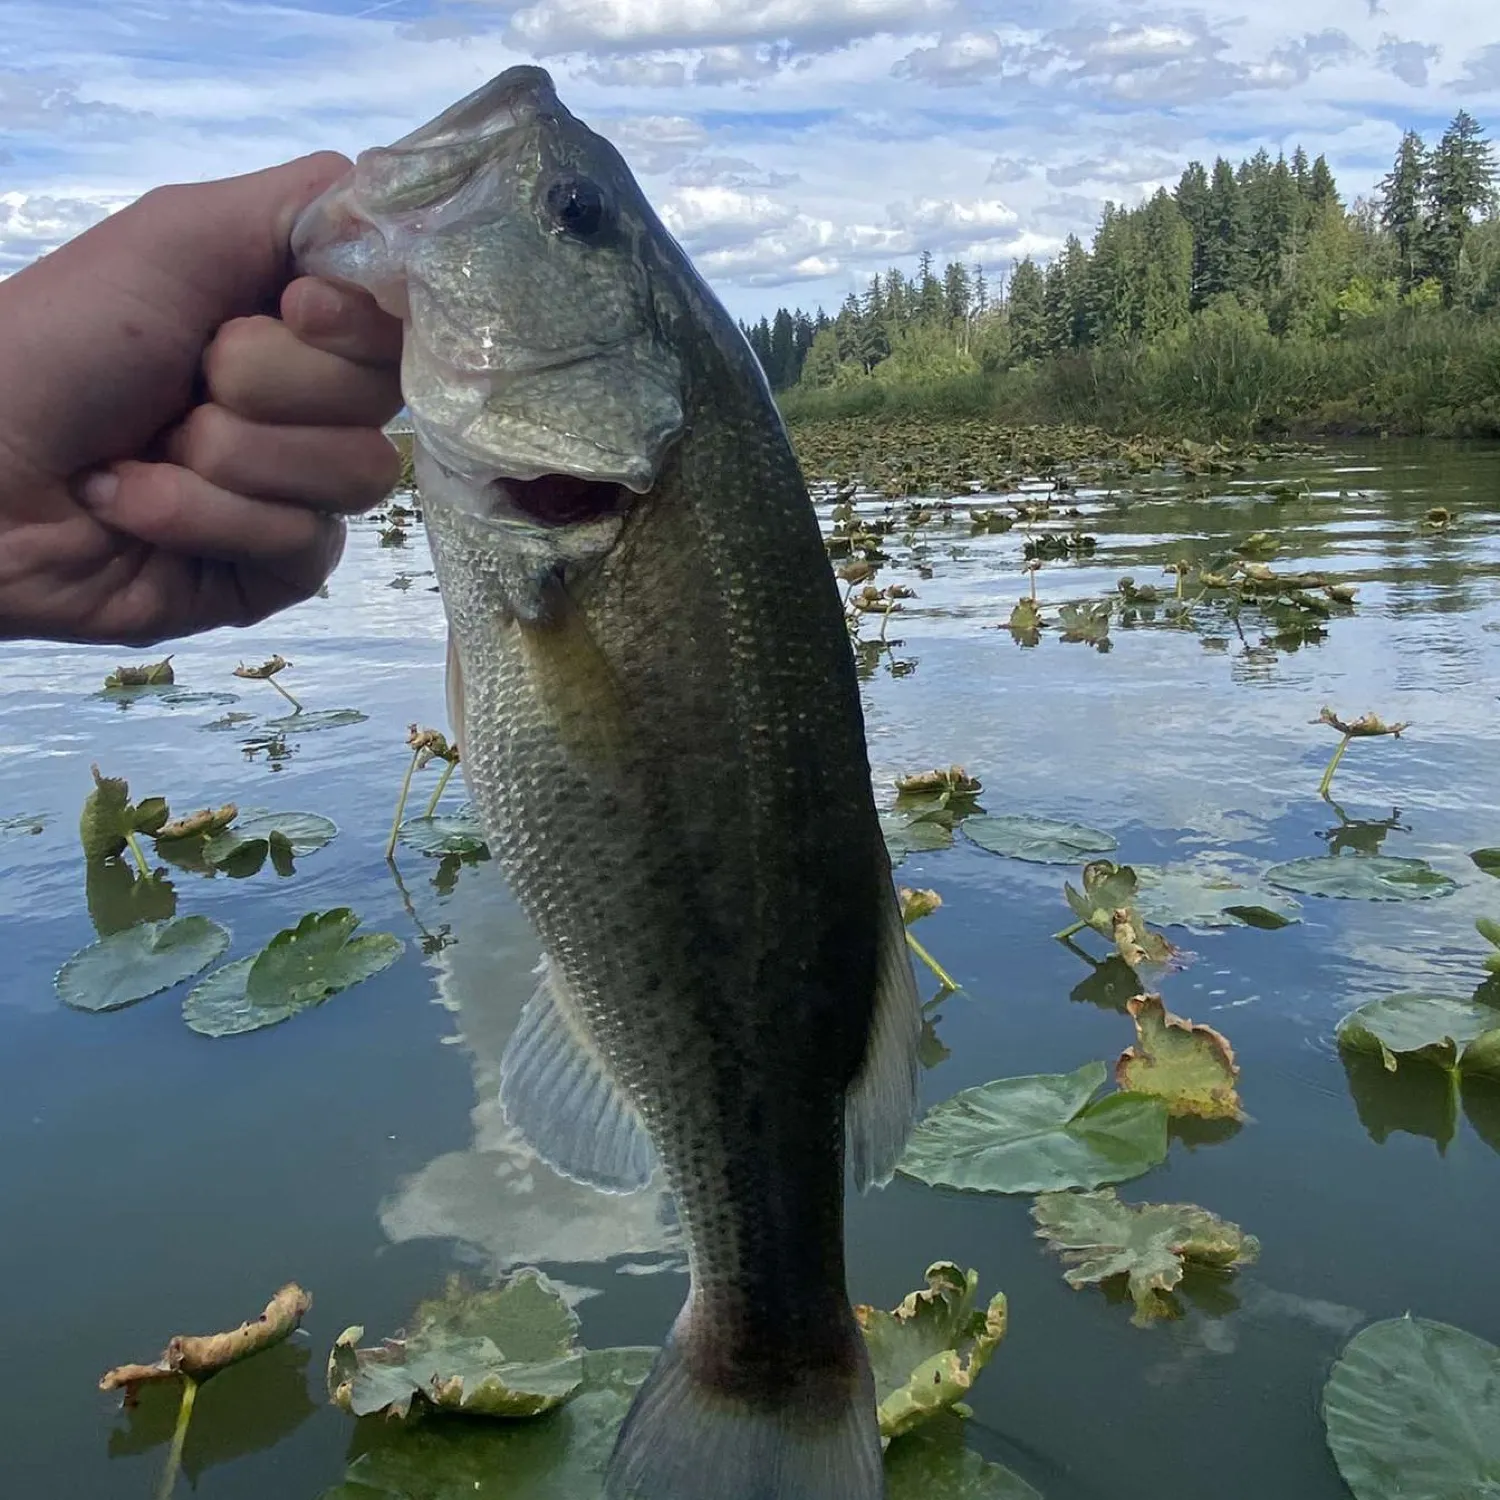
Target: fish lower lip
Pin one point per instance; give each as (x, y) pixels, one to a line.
(561, 499)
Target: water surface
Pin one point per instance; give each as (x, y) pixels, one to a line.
(156, 1182)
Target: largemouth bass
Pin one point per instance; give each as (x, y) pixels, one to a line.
(653, 689)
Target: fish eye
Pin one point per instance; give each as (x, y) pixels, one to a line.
(576, 205)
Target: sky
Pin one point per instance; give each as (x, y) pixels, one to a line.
(793, 146)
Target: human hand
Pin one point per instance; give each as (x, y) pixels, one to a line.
(173, 457)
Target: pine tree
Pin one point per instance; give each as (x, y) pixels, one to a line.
(1192, 201)
(1167, 267)
(1321, 190)
(956, 292)
(1403, 207)
(1026, 311)
(783, 353)
(929, 292)
(1460, 184)
(1224, 262)
(981, 292)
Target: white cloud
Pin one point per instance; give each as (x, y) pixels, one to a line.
(33, 223)
(552, 27)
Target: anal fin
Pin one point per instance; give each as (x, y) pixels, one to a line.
(557, 1089)
(882, 1104)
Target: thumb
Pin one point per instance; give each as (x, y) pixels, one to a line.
(226, 244)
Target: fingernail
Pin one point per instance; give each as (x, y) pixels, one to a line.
(99, 489)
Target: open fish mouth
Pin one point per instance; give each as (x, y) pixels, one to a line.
(555, 500)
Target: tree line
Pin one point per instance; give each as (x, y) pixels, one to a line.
(1269, 242)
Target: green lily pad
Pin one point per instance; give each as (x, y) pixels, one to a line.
(933, 1463)
(305, 964)
(1038, 1133)
(1362, 877)
(1488, 860)
(453, 833)
(905, 835)
(1412, 1410)
(508, 1352)
(282, 835)
(109, 817)
(1044, 841)
(927, 1353)
(310, 720)
(1100, 1238)
(561, 1456)
(140, 962)
(1203, 897)
(1440, 1029)
(299, 968)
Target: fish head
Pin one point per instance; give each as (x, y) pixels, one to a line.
(538, 365)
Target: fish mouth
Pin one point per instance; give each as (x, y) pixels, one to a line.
(556, 500)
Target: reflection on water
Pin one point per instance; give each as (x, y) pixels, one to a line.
(506, 1207)
(156, 1180)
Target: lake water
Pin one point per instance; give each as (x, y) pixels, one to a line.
(155, 1181)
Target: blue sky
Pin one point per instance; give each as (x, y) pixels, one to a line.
(793, 145)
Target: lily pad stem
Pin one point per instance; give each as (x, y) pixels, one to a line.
(1333, 765)
(179, 1437)
(1068, 932)
(140, 857)
(390, 843)
(944, 978)
(285, 694)
(441, 786)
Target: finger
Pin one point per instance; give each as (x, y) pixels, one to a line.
(181, 512)
(260, 369)
(344, 469)
(342, 320)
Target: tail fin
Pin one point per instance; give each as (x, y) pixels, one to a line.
(684, 1440)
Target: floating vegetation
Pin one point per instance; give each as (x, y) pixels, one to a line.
(150, 674)
(1148, 1245)
(541, 1412)
(1046, 841)
(1040, 1133)
(194, 1358)
(1437, 1030)
(266, 672)
(1412, 1412)
(299, 968)
(927, 1353)
(426, 746)
(511, 1351)
(140, 961)
(895, 455)
(1367, 726)
(1086, 623)
(1362, 877)
(110, 822)
(22, 825)
(1190, 1068)
(1107, 904)
(1207, 896)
